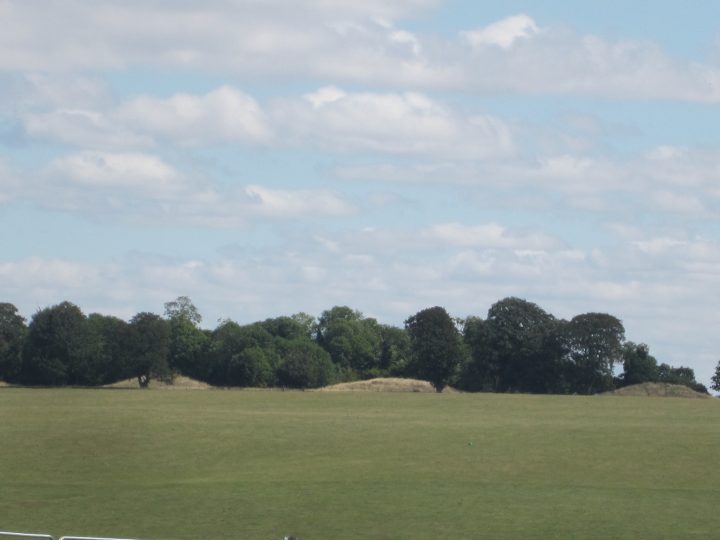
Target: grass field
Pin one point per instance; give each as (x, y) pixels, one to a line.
(260, 465)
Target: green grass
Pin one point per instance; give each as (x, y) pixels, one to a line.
(236, 465)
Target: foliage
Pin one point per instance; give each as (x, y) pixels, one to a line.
(595, 343)
(353, 342)
(639, 365)
(148, 345)
(304, 365)
(716, 378)
(524, 347)
(437, 349)
(183, 308)
(53, 348)
(519, 347)
(12, 336)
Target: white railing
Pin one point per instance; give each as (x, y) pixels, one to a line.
(50, 537)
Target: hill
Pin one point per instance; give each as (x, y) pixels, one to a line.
(388, 384)
(179, 383)
(657, 390)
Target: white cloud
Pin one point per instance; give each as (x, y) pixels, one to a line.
(344, 43)
(489, 235)
(223, 115)
(503, 33)
(291, 203)
(128, 171)
(407, 123)
(142, 188)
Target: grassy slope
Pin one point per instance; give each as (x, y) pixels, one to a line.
(227, 464)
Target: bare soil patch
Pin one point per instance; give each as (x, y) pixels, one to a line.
(657, 390)
(179, 383)
(387, 384)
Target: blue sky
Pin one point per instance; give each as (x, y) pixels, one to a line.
(269, 157)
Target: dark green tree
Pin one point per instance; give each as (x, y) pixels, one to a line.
(639, 365)
(522, 349)
(479, 372)
(437, 349)
(595, 345)
(54, 346)
(354, 342)
(680, 375)
(395, 350)
(304, 364)
(111, 338)
(252, 367)
(148, 346)
(12, 336)
(716, 378)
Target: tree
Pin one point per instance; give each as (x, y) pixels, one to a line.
(148, 344)
(53, 346)
(354, 342)
(183, 308)
(595, 345)
(522, 348)
(679, 375)
(253, 367)
(12, 337)
(716, 378)
(639, 365)
(395, 350)
(304, 364)
(112, 358)
(437, 349)
(478, 372)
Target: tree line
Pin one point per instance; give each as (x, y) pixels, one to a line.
(517, 347)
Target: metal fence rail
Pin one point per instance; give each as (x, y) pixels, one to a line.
(50, 537)
(26, 535)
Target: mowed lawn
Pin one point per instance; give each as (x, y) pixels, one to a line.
(263, 464)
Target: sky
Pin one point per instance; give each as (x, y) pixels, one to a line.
(266, 157)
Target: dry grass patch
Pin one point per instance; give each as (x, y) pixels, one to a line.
(179, 383)
(388, 384)
(657, 390)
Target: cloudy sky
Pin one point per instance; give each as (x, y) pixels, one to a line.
(272, 156)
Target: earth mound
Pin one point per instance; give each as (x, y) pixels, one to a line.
(387, 384)
(656, 390)
(179, 383)
(3, 384)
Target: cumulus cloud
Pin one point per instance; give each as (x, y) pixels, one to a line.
(223, 115)
(143, 188)
(490, 235)
(668, 179)
(503, 33)
(334, 41)
(133, 171)
(407, 123)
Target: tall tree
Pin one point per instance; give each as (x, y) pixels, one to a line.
(354, 342)
(53, 345)
(639, 365)
(183, 308)
(12, 337)
(524, 348)
(148, 344)
(437, 349)
(595, 346)
(716, 378)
